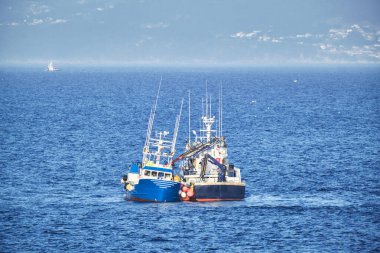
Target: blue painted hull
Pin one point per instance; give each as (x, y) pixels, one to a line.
(155, 190)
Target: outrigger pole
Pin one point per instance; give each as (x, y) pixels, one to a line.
(151, 121)
(189, 121)
(178, 119)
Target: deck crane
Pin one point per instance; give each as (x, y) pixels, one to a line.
(198, 148)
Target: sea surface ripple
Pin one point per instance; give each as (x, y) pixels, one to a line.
(309, 152)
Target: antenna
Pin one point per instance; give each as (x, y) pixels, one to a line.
(210, 108)
(200, 123)
(219, 115)
(221, 109)
(202, 107)
(206, 101)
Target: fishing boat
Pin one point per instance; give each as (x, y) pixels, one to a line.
(51, 68)
(152, 179)
(208, 175)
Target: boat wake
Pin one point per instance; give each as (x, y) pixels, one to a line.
(295, 201)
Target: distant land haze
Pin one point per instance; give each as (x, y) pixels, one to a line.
(183, 32)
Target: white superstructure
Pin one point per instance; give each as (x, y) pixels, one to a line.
(51, 67)
(197, 166)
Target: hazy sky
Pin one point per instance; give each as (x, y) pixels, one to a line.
(190, 32)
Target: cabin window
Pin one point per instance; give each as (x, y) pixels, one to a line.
(160, 175)
(167, 176)
(154, 173)
(147, 173)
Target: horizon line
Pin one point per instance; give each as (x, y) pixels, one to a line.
(203, 64)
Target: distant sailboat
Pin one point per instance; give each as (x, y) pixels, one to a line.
(51, 67)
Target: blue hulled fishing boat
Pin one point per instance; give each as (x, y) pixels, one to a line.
(152, 180)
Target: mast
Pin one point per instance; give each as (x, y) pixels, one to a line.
(210, 108)
(207, 119)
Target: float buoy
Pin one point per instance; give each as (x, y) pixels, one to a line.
(190, 193)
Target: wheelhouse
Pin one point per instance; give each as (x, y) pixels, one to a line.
(156, 173)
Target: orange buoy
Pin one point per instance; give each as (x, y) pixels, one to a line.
(190, 193)
(184, 188)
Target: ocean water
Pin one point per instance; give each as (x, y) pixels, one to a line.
(309, 152)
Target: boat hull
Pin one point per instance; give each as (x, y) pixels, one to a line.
(155, 190)
(222, 191)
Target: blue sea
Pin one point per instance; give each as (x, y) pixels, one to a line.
(309, 152)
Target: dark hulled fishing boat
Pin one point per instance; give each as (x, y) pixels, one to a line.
(207, 173)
